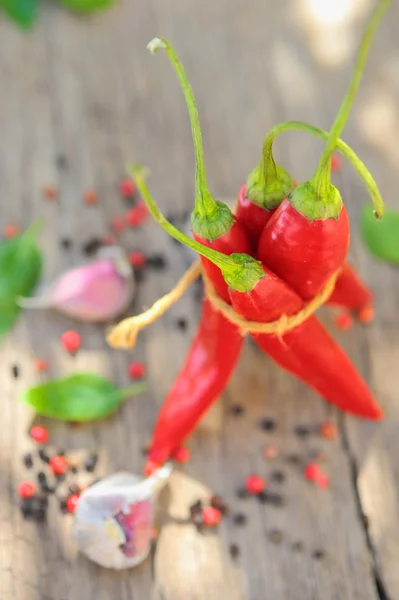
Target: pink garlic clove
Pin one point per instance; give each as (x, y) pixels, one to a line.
(99, 291)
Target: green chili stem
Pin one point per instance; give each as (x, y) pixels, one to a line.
(321, 177)
(204, 202)
(132, 390)
(341, 146)
(224, 262)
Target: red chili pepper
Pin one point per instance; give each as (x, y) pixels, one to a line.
(307, 238)
(209, 363)
(350, 291)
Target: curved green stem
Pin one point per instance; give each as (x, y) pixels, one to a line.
(321, 177)
(342, 147)
(204, 202)
(241, 272)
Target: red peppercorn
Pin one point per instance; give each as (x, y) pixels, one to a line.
(117, 224)
(71, 341)
(41, 365)
(11, 230)
(328, 430)
(211, 516)
(137, 258)
(322, 481)
(136, 370)
(366, 314)
(58, 465)
(127, 188)
(39, 434)
(137, 215)
(312, 471)
(336, 162)
(109, 240)
(181, 455)
(270, 452)
(26, 489)
(50, 192)
(343, 321)
(255, 484)
(90, 197)
(72, 503)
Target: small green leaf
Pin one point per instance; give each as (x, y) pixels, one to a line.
(20, 269)
(80, 397)
(381, 237)
(86, 6)
(24, 12)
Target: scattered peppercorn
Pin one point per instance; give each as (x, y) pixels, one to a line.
(92, 246)
(196, 508)
(26, 489)
(66, 243)
(91, 462)
(267, 424)
(49, 192)
(61, 161)
(74, 470)
(294, 459)
(366, 314)
(136, 370)
(278, 476)
(322, 481)
(312, 471)
(63, 506)
(270, 452)
(15, 371)
(343, 320)
(328, 430)
(127, 188)
(211, 516)
(11, 230)
(26, 507)
(237, 410)
(302, 431)
(43, 455)
(71, 341)
(181, 455)
(218, 502)
(39, 434)
(58, 465)
(318, 554)
(276, 536)
(234, 551)
(239, 519)
(254, 484)
(72, 502)
(41, 365)
(137, 259)
(263, 497)
(39, 508)
(298, 547)
(137, 215)
(157, 262)
(117, 224)
(28, 460)
(90, 197)
(181, 323)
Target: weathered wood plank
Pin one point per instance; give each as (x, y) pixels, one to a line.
(97, 98)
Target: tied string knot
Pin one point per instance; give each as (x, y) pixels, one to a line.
(124, 334)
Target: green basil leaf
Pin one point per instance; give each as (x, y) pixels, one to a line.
(86, 6)
(381, 237)
(20, 269)
(80, 397)
(24, 12)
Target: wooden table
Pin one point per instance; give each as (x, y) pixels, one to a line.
(79, 98)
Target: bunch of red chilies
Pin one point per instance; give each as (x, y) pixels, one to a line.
(276, 253)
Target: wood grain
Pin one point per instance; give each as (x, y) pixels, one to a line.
(87, 92)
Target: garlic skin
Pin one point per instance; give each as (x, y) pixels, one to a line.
(99, 291)
(114, 518)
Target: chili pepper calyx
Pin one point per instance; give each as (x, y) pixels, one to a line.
(212, 225)
(247, 274)
(306, 200)
(268, 194)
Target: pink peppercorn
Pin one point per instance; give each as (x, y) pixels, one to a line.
(39, 434)
(26, 489)
(137, 258)
(255, 484)
(71, 341)
(211, 516)
(127, 188)
(312, 471)
(136, 370)
(58, 465)
(72, 503)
